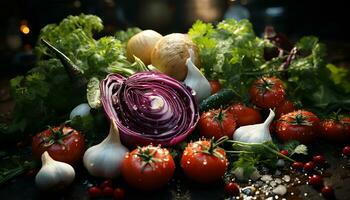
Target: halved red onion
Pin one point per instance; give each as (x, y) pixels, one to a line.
(150, 107)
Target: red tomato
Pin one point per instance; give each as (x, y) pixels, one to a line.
(232, 188)
(315, 180)
(346, 123)
(94, 192)
(217, 123)
(327, 192)
(106, 183)
(148, 168)
(245, 115)
(215, 86)
(284, 108)
(107, 191)
(203, 162)
(267, 92)
(119, 193)
(62, 143)
(297, 165)
(346, 151)
(335, 131)
(298, 125)
(284, 152)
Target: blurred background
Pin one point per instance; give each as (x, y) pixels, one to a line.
(21, 20)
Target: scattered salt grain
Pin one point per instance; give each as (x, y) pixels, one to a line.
(280, 190)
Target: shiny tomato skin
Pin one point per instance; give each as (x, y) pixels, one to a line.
(213, 124)
(334, 131)
(288, 127)
(215, 86)
(148, 177)
(71, 151)
(346, 123)
(203, 167)
(245, 115)
(284, 107)
(267, 92)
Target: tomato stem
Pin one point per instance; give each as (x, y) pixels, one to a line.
(244, 144)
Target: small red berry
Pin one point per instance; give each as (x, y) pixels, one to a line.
(284, 152)
(315, 180)
(346, 150)
(297, 165)
(327, 192)
(107, 191)
(232, 188)
(94, 192)
(106, 183)
(119, 193)
(319, 160)
(309, 166)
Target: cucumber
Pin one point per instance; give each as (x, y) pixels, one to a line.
(221, 98)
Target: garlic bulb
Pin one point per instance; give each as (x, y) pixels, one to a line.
(241, 176)
(257, 133)
(141, 45)
(105, 159)
(196, 80)
(170, 54)
(54, 174)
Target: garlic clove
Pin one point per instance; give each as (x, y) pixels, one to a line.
(105, 159)
(54, 175)
(256, 133)
(196, 80)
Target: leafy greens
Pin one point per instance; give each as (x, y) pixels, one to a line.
(45, 95)
(231, 52)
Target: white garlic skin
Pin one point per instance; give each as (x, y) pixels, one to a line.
(256, 133)
(105, 159)
(81, 110)
(196, 80)
(54, 174)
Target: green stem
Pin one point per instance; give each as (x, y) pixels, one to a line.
(244, 144)
(17, 171)
(237, 152)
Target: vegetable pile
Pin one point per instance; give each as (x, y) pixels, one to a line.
(268, 98)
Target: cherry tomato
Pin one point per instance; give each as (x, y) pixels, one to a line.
(315, 180)
(215, 86)
(245, 115)
(232, 189)
(327, 192)
(148, 168)
(334, 130)
(217, 123)
(309, 166)
(94, 192)
(319, 160)
(267, 92)
(298, 125)
(107, 191)
(284, 152)
(297, 165)
(284, 107)
(62, 143)
(119, 193)
(203, 161)
(346, 151)
(106, 183)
